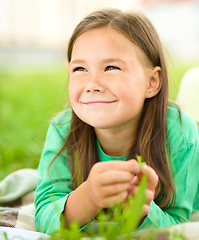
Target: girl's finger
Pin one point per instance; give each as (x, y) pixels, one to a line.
(111, 190)
(145, 210)
(149, 194)
(135, 181)
(130, 166)
(152, 177)
(115, 176)
(113, 200)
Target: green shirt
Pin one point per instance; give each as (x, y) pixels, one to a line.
(52, 192)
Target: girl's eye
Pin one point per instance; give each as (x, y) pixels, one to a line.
(108, 68)
(80, 69)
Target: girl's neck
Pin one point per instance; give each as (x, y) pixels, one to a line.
(115, 143)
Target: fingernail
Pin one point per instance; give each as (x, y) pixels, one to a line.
(145, 168)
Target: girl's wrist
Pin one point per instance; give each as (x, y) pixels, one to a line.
(91, 204)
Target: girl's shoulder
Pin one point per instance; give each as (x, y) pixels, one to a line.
(62, 123)
(181, 127)
(63, 117)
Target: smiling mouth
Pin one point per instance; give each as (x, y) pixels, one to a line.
(98, 102)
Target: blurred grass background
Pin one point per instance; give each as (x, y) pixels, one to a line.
(28, 101)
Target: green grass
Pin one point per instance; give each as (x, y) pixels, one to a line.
(28, 101)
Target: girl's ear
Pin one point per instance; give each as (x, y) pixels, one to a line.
(155, 82)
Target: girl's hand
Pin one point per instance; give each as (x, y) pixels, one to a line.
(152, 181)
(108, 182)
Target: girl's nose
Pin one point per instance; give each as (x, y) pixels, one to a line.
(95, 85)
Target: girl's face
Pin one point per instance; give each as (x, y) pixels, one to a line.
(108, 80)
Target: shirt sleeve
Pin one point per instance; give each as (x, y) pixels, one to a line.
(54, 183)
(186, 184)
(184, 162)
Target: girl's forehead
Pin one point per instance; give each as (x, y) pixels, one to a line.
(105, 37)
(112, 38)
(104, 32)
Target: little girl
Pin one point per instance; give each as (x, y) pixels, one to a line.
(118, 90)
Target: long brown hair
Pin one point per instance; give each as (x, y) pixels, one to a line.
(152, 139)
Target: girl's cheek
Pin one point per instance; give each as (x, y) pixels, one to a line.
(72, 87)
(71, 96)
(74, 94)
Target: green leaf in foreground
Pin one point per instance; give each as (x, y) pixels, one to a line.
(139, 159)
(132, 213)
(5, 235)
(71, 233)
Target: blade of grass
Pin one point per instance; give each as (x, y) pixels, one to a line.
(133, 213)
(139, 159)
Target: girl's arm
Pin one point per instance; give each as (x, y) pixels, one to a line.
(53, 186)
(184, 167)
(107, 185)
(184, 161)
